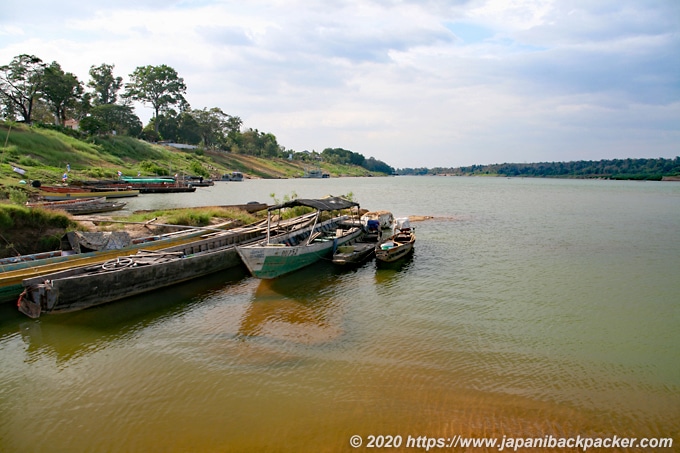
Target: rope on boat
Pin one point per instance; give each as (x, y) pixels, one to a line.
(143, 258)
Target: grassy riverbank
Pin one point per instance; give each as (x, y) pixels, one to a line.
(26, 231)
(30, 154)
(43, 155)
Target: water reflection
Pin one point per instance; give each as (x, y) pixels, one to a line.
(299, 309)
(386, 272)
(70, 335)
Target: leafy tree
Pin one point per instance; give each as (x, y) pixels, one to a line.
(342, 156)
(256, 143)
(61, 90)
(167, 125)
(20, 85)
(376, 165)
(159, 86)
(149, 133)
(104, 84)
(188, 131)
(107, 118)
(213, 125)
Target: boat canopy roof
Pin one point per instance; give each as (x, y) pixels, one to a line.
(323, 204)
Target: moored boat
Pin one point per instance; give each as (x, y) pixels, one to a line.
(78, 249)
(57, 193)
(277, 256)
(84, 287)
(235, 176)
(80, 206)
(143, 184)
(124, 276)
(397, 246)
(361, 249)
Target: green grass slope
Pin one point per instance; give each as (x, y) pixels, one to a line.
(44, 155)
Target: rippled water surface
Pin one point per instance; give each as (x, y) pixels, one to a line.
(529, 308)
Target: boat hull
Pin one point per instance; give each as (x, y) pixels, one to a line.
(354, 254)
(269, 261)
(80, 206)
(395, 247)
(60, 196)
(14, 273)
(85, 287)
(393, 254)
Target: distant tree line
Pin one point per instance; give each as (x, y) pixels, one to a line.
(34, 92)
(346, 157)
(642, 169)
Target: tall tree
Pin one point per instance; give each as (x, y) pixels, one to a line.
(159, 86)
(107, 118)
(20, 84)
(189, 130)
(104, 84)
(213, 125)
(61, 90)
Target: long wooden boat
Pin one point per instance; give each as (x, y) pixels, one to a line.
(164, 188)
(124, 276)
(17, 269)
(397, 246)
(56, 193)
(80, 206)
(277, 256)
(144, 184)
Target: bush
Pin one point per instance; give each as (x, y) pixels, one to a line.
(198, 170)
(6, 221)
(153, 168)
(199, 219)
(26, 230)
(98, 172)
(17, 196)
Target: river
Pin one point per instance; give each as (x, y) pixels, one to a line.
(531, 308)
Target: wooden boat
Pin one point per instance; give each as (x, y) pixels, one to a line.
(80, 206)
(164, 188)
(199, 181)
(143, 184)
(124, 276)
(57, 193)
(84, 287)
(397, 246)
(274, 257)
(361, 249)
(17, 269)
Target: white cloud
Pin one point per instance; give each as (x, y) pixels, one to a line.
(413, 83)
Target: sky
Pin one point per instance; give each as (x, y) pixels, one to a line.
(414, 83)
